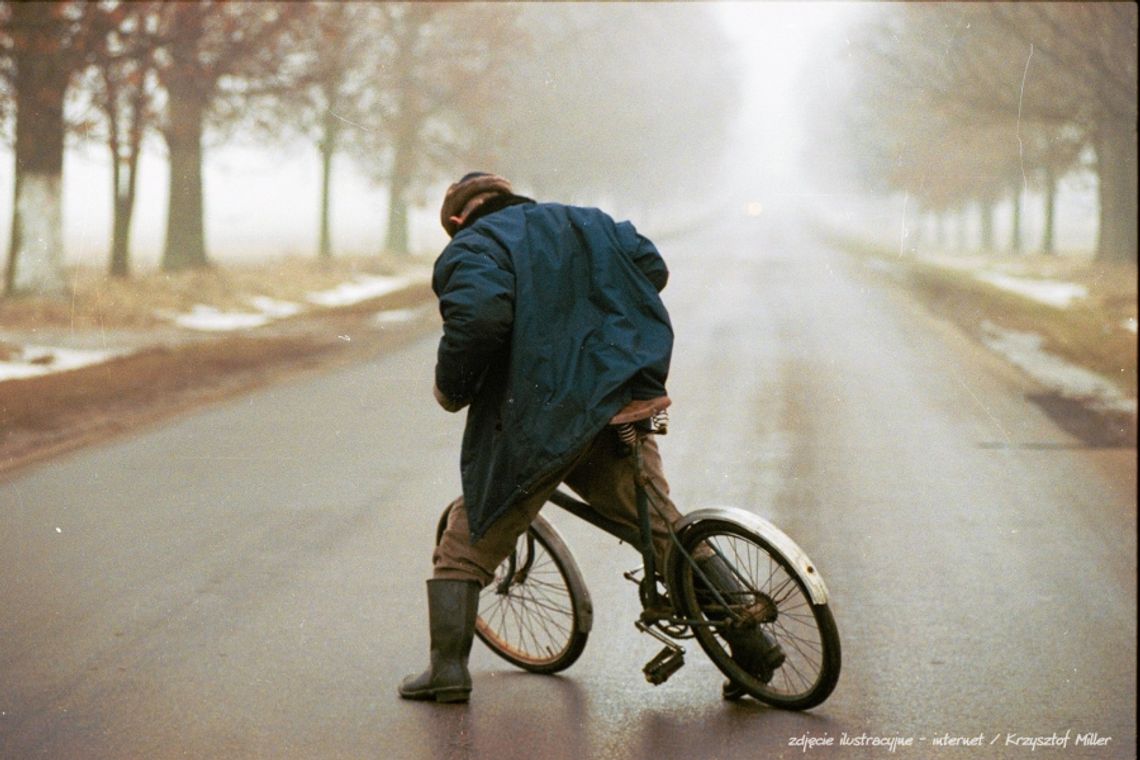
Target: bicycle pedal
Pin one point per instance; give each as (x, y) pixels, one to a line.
(667, 662)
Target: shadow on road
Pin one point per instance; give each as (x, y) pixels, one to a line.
(1097, 429)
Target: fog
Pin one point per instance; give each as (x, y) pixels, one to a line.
(262, 200)
(772, 43)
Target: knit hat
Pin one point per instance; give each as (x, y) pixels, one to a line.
(468, 194)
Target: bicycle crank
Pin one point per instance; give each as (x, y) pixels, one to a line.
(666, 662)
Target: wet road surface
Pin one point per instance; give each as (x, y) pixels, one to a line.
(247, 581)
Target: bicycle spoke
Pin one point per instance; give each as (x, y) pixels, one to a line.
(530, 615)
(808, 672)
(532, 624)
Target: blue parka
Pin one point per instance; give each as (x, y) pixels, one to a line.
(552, 322)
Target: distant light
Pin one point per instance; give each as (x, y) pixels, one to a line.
(754, 208)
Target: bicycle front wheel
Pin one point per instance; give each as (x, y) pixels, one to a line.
(772, 599)
(536, 613)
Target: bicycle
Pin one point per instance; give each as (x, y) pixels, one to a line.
(537, 614)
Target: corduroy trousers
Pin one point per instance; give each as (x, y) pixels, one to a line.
(603, 474)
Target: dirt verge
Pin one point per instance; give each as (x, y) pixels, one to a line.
(45, 416)
(1090, 334)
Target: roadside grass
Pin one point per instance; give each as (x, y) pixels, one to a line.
(94, 300)
(1089, 333)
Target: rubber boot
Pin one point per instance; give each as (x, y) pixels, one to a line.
(452, 606)
(752, 649)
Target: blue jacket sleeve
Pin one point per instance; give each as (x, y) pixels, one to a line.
(476, 301)
(644, 255)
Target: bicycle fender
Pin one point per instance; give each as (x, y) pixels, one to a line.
(779, 541)
(583, 605)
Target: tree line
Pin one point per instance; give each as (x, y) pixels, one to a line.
(963, 106)
(576, 100)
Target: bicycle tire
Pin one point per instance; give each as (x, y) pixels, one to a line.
(806, 631)
(536, 613)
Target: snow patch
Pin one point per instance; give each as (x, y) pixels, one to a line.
(396, 316)
(211, 319)
(34, 361)
(360, 289)
(1051, 292)
(1025, 351)
(274, 308)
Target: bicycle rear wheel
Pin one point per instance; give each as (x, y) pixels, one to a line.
(776, 601)
(536, 613)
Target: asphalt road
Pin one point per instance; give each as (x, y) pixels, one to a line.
(247, 580)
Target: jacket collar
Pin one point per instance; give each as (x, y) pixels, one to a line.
(498, 203)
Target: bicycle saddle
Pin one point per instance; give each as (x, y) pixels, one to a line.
(640, 409)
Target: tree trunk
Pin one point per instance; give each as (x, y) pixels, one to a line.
(188, 91)
(397, 241)
(327, 149)
(1048, 244)
(914, 232)
(124, 170)
(120, 256)
(35, 255)
(124, 213)
(1117, 187)
(986, 207)
(119, 267)
(185, 223)
(1015, 232)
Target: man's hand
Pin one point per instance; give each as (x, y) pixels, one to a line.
(445, 402)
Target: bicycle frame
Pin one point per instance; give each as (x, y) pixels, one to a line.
(642, 537)
(654, 608)
(733, 582)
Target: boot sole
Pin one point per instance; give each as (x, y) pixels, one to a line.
(452, 696)
(446, 696)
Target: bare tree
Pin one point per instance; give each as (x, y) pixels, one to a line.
(433, 86)
(1054, 151)
(1053, 65)
(339, 70)
(1088, 60)
(931, 73)
(215, 55)
(121, 86)
(883, 118)
(45, 46)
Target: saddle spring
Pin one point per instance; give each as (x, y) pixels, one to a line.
(658, 424)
